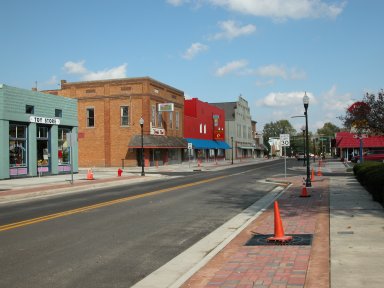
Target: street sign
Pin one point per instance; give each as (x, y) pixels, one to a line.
(189, 146)
(284, 139)
(360, 136)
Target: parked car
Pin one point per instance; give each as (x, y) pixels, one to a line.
(300, 156)
(377, 155)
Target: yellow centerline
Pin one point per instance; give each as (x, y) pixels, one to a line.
(100, 205)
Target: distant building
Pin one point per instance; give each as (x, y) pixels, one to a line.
(238, 127)
(259, 141)
(205, 130)
(34, 133)
(109, 112)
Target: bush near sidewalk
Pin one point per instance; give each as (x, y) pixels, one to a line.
(371, 176)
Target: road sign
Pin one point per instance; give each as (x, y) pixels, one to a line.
(189, 146)
(284, 139)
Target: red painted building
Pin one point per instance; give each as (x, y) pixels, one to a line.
(348, 144)
(204, 129)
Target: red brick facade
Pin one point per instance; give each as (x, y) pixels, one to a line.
(106, 144)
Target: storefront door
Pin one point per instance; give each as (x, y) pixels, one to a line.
(43, 153)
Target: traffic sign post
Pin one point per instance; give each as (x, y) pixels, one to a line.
(285, 142)
(189, 154)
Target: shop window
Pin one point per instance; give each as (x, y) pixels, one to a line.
(170, 120)
(29, 109)
(90, 117)
(63, 146)
(58, 113)
(211, 153)
(17, 145)
(124, 115)
(160, 119)
(177, 122)
(173, 154)
(153, 116)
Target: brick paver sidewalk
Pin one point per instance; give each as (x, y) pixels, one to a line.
(238, 265)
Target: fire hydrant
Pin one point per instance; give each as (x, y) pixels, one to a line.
(119, 172)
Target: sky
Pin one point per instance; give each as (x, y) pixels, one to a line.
(270, 52)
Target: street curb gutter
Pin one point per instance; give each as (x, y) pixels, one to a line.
(178, 270)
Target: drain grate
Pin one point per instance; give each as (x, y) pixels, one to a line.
(297, 240)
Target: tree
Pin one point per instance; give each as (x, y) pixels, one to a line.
(274, 129)
(366, 115)
(328, 129)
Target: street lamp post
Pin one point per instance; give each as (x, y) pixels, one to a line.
(232, 149)
(306, 103)
(141, 121)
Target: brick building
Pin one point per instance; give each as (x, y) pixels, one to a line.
(109, 130)
(206, 130)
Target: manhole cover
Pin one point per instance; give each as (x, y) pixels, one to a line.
(297, 239)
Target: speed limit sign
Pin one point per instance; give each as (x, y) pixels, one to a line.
(284, 139)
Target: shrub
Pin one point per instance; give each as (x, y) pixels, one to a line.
(371, 175)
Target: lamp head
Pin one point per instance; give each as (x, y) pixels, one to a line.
(141, 121)
(305, 100)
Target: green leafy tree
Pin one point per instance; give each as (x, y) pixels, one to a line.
(274, 129)
(328, 129)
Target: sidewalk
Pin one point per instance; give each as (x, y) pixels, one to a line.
(347, 247)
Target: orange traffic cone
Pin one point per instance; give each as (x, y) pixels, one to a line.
(304, 192)
(319, 172)
(90, 174)
(313, 175)
(279, 230)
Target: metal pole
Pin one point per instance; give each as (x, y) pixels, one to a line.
(142, 150)
(71, 156)
(308, 180)
(361, 149)
(232, 149)
(285, 162)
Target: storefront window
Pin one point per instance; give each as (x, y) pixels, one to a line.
(63, 146)
(17, 145)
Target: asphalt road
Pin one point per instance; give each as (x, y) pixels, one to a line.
(114, 237)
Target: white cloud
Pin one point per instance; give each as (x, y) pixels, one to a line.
(78, 68)
(332, 100)
(113, 73)
(282, 9)
(274, 71)
(175, 2)
(230, 67)
(195, 49)
(52, 81)
(230, 30)
(75, 67)
(289, 99)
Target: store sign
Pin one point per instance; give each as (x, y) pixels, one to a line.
(218, 135)
(165, 107)
(43, 120)
(215, 120)
(157, 131)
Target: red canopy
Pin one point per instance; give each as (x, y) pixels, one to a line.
(346, 140)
